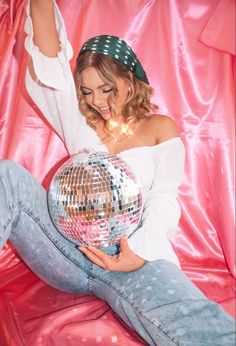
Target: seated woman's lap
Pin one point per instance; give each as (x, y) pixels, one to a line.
(158, 298)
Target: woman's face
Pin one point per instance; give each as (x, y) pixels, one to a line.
(96, 92)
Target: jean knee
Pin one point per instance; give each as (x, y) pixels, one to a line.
(8, 164)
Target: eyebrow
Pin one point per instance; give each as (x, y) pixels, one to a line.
(99, 87)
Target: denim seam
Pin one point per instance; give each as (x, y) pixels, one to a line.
(6, 225)
(50, 237)
(90, 279)
(126, 299)
(9, 220)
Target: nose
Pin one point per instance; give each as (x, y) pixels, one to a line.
(98, 99)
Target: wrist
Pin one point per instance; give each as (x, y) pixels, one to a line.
(42, 3)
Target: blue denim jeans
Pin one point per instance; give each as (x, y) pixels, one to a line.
(157, 300)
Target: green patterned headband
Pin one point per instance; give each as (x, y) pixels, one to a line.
(118, 49)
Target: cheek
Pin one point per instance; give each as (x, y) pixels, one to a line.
(88, 99)
(122, 98)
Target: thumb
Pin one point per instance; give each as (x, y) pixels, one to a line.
(124, 246)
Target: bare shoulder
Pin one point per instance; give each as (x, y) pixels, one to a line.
(163, 127)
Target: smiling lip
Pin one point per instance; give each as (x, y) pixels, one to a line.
(105, 111)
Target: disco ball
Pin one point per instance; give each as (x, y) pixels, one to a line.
(94, 199)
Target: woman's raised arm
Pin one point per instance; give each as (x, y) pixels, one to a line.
(44, 26)
(49, 80)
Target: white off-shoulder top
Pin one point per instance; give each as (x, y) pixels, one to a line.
(159, 168)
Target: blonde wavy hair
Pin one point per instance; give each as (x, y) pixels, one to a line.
(138, 104)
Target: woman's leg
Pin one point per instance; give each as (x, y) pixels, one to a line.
(164, 306)
(24, 219)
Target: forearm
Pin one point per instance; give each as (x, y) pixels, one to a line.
(44, 26)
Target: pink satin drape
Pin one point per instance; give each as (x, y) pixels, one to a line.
(187, 49)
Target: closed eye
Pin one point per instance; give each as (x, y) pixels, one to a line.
(86, 92)
(107, 90)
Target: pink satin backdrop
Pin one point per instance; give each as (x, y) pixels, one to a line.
(187, 49)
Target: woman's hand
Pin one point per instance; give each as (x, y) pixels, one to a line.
(124, 261)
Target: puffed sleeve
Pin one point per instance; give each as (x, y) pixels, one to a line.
(53, 90)
(161, 211)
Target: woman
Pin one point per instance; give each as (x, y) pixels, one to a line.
(141, 280)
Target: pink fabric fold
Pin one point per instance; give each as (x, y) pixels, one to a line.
(219, 32)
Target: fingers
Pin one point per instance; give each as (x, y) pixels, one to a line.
(125, 261)
(124, 246)
(99, 253)
(93, 257)
(108, 261)
(100, 258)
